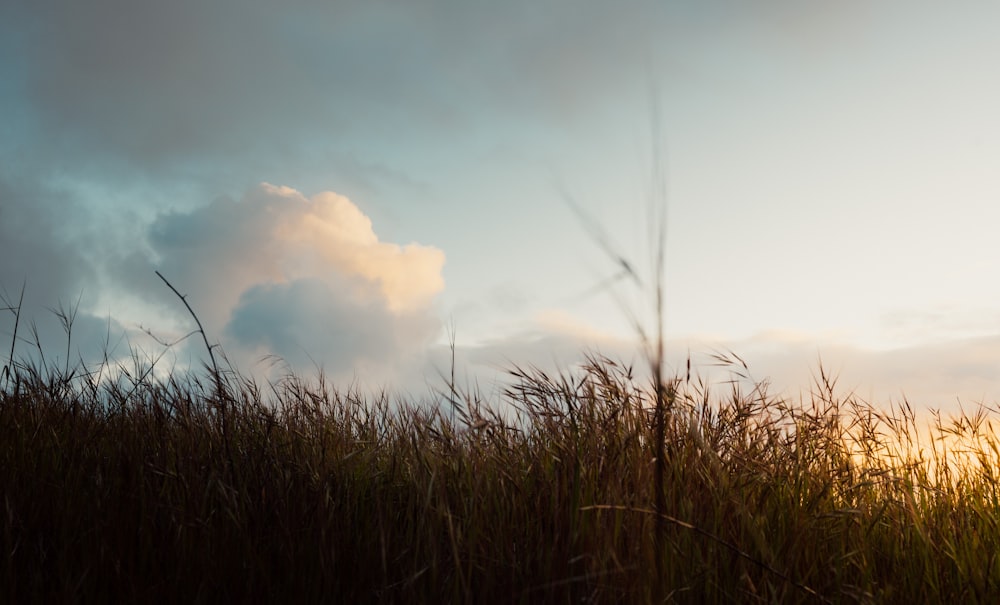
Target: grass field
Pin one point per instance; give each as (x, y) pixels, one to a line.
(205, 488)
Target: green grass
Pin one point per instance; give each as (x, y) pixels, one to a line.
(137, 489)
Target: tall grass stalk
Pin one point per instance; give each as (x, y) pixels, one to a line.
(652, 340)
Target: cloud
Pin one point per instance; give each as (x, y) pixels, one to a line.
(49, 249)
(335, 233)
(942, 375)
(163, 85)
(935, 375)
(36, 248)
(310, 320)
(301, 278)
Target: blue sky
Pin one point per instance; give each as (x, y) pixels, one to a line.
(340, 182)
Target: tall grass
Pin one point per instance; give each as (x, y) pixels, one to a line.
(132, 489)
(588, 486)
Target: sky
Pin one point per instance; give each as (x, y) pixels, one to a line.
(350, 185)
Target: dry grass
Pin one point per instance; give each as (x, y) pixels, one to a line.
(133, 489)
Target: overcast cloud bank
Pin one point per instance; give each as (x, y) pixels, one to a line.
(823, 160)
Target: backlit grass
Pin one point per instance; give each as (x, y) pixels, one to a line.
(205, 489)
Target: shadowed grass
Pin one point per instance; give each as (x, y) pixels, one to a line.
(134, 489)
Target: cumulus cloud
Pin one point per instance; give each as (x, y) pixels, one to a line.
(311, 319)
(303, 278)
(335, 233)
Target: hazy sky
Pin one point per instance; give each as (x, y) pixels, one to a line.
(339, 182)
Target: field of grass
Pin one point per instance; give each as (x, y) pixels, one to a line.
(208, 488)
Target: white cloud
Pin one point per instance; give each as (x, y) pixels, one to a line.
(335, 233)
(302, 278)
